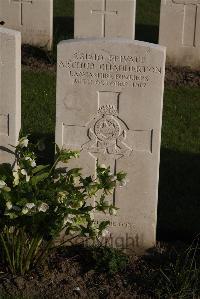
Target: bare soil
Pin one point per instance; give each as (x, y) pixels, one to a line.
(71, 273)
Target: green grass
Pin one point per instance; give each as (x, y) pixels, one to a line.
(63, 8)
(179, 207)
(148, 12)
(38, 102)
(181, 128)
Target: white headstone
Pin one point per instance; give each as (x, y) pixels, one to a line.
(109, 106)
(104, 18)
(10, 92)
(180, 31)
(33, 18)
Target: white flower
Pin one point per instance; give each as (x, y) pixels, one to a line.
(24, 210)
(9, 205)
(16, 178)
(123, 183)
(23, 142)
(113, 211)
(69, 219)
(80, 204)
(24, 172)
(113, 178)
(91, 214)
(102, 166)
(27, 178)
(76, 181)
(30, 205)
(105, 233)
(2, 184)
(61, 196)
(43, 207)
(4, 187)
(32, 162)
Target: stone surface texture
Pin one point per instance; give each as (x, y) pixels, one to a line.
(10, 92)
(109, 106)
(33, 18)
(180, 31)
(104, 18)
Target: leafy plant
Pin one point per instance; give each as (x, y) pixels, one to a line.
(108, 259)
(37, 202)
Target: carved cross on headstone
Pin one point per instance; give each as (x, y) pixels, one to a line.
(22, 2)
(104, 12)
(107, 137)
(190, 35)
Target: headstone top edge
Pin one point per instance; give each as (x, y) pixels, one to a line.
(10, 31)
(112, 40)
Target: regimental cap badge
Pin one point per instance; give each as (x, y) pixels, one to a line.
(107, 110)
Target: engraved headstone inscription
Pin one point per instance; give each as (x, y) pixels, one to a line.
(109, 106)
(180, 31)
(10, 92)
(33, 18)
(104, 18)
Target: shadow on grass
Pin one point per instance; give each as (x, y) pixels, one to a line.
(63, 28)
(147, 33)
(179, 196)
(45, 156)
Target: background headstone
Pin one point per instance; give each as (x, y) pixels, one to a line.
(104, 18)
(109, 106)
(180, 31)
(33, 18)
(10, 92)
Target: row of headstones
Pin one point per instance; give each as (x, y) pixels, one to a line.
(179, 23)
(108, 106)
(33, 18)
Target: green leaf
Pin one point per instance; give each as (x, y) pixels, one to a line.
(39, 178)
(5, 171)
(103, 225)
(75, 172)
(121, 175)
(40, 168)
(66, 155)
(86, 209)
